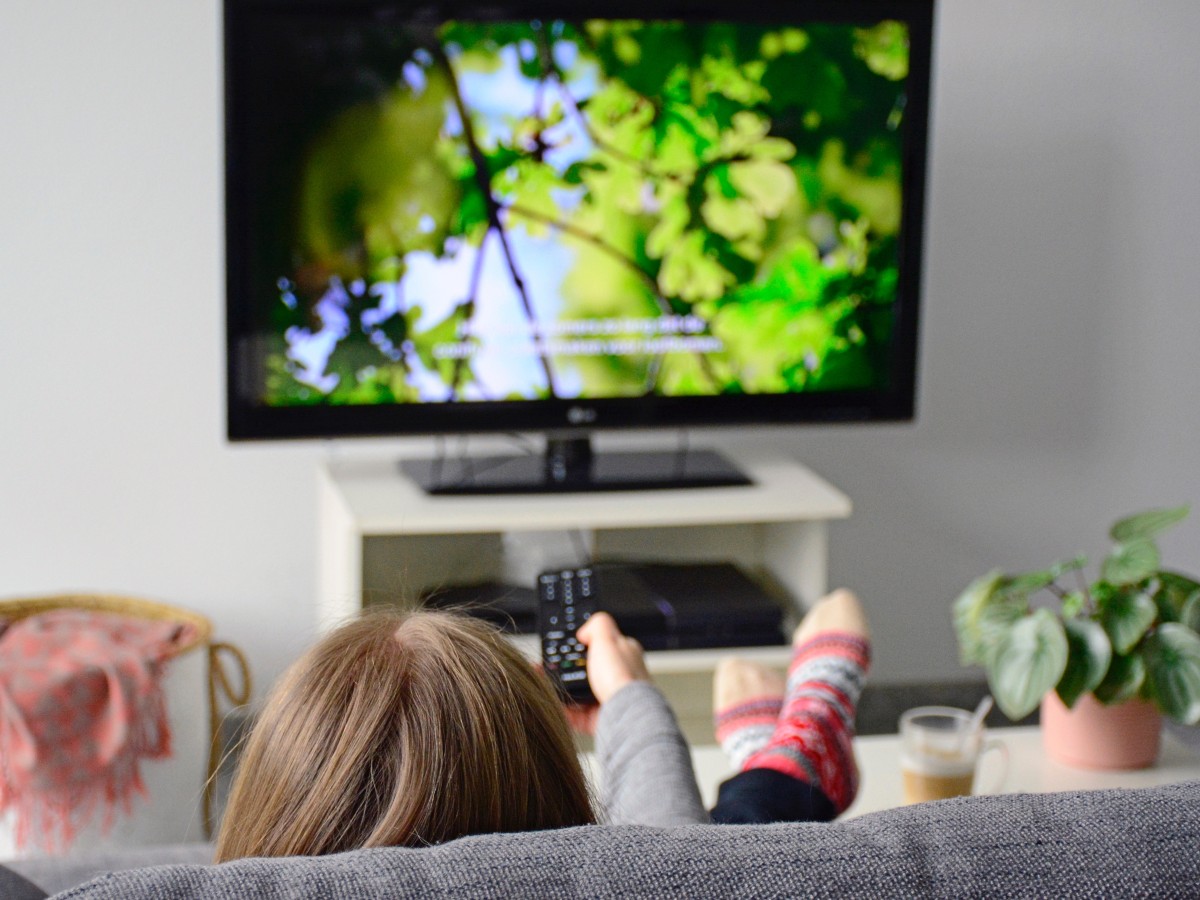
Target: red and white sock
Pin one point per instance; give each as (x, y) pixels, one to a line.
(813, 739)
(745, 728)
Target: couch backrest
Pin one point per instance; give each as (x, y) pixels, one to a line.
(1099, 843)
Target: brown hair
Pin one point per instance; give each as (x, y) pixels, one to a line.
(403, 729)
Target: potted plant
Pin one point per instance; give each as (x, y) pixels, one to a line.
(1052, 638)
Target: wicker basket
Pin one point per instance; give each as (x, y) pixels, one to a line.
(133, 607)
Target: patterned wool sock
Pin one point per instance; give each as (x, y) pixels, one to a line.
(813, 739)
(745, 728)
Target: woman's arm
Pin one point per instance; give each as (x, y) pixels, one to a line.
(645, 765)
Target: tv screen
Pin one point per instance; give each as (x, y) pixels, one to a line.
(538, 216)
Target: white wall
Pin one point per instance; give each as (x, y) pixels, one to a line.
(1058, 382)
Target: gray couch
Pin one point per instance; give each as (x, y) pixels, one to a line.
(1087, 844)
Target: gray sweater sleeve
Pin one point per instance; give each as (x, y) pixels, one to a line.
(646, 775)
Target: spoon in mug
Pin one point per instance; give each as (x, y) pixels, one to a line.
(976, 719)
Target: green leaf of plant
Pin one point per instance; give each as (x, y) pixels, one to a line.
(1126, 615)
(995, 622)
(1176, 582)
(968, 609)
(1167, 609)
(1130, 563)
(1072, 604)
(1123, 679)
(1190, 616)
(1088, 655)
(1174, 592)
(1030, 582)
(1029, 661)
(1144, 526)
(1172, 656)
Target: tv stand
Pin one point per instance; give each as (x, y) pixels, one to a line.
(570, 465)
(383, 540)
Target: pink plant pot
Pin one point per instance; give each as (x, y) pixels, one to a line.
(1094, 736)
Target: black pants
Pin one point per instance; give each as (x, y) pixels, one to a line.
(763, 796)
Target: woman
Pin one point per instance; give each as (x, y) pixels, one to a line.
(403, 729)
(409, 729)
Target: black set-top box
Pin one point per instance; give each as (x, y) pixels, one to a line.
(685, 606)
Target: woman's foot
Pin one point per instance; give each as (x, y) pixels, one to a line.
(747, 700)
(838, 611)
(813, 738)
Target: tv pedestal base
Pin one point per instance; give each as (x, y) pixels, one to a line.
(570, 466)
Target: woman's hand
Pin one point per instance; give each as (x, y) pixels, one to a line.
(613, 659)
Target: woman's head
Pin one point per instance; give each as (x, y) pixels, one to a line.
(403, 729)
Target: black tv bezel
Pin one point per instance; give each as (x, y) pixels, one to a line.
(249, 421)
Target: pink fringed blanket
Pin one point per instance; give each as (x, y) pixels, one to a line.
(81, 703)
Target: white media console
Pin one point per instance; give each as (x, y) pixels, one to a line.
(383, 540)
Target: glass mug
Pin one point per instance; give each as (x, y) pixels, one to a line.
(940, 749)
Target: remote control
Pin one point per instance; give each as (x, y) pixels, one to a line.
(566, 599)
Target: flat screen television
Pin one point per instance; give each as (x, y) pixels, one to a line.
(553, 217)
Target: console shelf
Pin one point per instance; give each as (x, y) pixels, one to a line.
(383, 540)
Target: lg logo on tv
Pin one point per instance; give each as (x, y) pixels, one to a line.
(581, 415)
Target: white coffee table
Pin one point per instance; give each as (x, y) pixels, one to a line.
(1029, 769)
